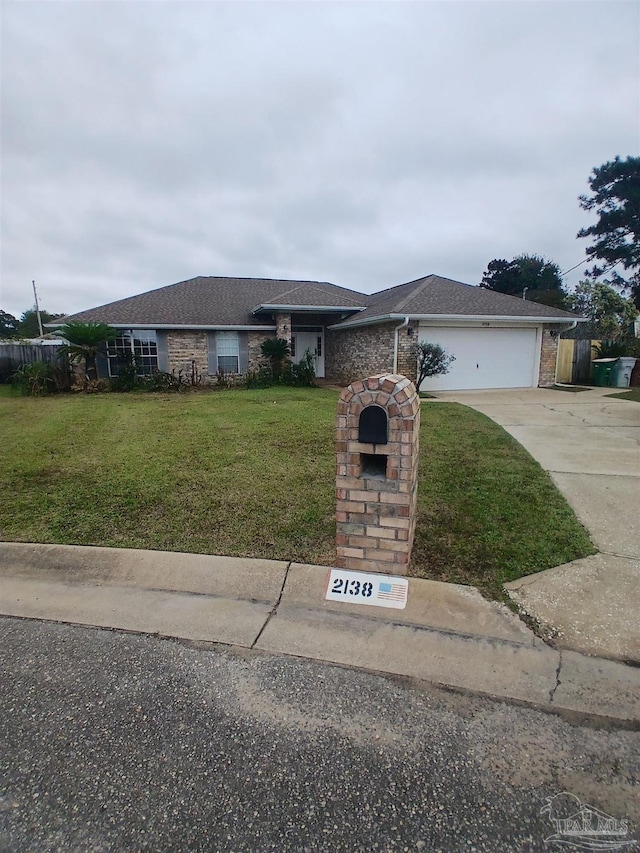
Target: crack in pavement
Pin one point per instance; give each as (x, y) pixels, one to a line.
(273, 610)
(552, 692)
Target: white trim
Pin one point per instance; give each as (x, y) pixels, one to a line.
(490, 323)
(177, 327)
(300, 309)
(396, 332)
(463, 319)
(537, 358)
(371, 321)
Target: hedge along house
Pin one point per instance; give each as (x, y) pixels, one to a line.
(214, 324)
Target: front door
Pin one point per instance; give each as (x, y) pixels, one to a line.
(312, 341)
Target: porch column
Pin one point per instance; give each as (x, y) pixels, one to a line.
(283, 327)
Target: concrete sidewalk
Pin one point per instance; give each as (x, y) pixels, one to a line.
(590, 445)
(448, 634)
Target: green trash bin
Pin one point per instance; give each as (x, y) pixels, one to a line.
(602, 371)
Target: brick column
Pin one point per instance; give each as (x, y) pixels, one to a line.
(283, 327)
(407, 357)
(376, 484)
(548, 356)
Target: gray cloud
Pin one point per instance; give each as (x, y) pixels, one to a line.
(361, 143)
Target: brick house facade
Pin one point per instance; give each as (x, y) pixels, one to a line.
(211, 324)
(186, 350)
(356, 353)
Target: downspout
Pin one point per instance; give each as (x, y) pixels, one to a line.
(402, 325)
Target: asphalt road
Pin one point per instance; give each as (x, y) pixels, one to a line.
(117, 742)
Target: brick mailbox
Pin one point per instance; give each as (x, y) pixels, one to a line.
(377, 440)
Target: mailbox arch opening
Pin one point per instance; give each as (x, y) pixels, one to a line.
(373, 425)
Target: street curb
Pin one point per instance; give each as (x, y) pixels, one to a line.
(448, 635)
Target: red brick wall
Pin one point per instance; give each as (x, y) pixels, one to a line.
(185, 347)
(548, 356)
(376, 515)
(407, 358)
(353, 353)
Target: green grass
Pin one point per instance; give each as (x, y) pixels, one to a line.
(572, 389)
(633, 394)
(251, 473)
(487, 512)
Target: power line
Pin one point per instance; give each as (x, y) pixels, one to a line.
(586, 260)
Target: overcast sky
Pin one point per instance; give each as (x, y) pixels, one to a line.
(362, 143)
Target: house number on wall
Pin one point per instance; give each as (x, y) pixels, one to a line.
(364, 588)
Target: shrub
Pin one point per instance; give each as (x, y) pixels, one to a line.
(633, 347)
(432, 360)
(608, 349)
(161, 381)
(194, 377)
(276, 350)
(303, 373)
(35, 378)
(130, 379)
(40, 378)
(261, 378)
(229, 380)
(127, 378)
(617, 348)
(94, 386)
(84, 342)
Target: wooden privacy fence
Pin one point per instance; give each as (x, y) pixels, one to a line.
(574, 361)
(12, 356)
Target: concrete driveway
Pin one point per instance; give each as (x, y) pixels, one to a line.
(590, 445)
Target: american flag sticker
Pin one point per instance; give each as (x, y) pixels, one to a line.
(392, 591)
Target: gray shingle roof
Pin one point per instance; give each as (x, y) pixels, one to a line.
(436, 295)
(217, 301)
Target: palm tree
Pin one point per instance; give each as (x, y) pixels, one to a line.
(277, 350)
(84, 341)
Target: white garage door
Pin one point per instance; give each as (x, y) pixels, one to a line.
(485, 358)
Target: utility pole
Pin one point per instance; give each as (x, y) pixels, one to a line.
(35, 296)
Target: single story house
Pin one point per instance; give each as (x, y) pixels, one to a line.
(218, 324)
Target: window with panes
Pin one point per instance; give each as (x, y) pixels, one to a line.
(228, 352)
(138, 347)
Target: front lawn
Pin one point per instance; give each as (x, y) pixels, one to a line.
(251, 473)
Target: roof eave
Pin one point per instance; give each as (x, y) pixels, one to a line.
(212, 327)
(367, 321)
(316, 309)
(386, 318)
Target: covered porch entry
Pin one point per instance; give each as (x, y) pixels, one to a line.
(308, 338)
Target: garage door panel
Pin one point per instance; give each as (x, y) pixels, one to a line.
(485, 358)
